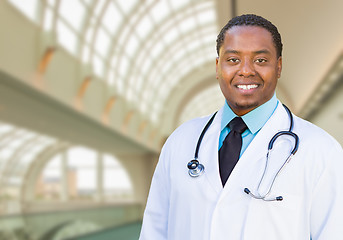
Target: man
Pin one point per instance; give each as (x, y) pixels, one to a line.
(236, 200)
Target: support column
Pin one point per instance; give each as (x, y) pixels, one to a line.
(140, 169)
(64, 177)
(100, 178)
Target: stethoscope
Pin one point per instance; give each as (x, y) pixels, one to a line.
(196, 169)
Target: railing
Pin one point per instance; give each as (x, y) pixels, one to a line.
(68, 223)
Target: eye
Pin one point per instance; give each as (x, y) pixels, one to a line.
(261, 60)
(233, 60)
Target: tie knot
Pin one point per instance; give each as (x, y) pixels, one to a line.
(237, 124)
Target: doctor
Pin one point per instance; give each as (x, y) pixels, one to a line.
(238, 200)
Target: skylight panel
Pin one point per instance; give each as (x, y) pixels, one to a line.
(176, 4)
(88, 2)
(85, 54)
(143, 106)
(132, 45)
(129, 94)
(5, 154)
(51, 3)
(206, 16)
(157, 49)
(209, 37)
(116, 180)
(178, 54)
(98, 65)
(102, 42)
(138, 83)
(181, 69)
(145, 65)
(171, 35)
(187, 24)
(5, 128)
(26, 159)
(111, 76)
(27, 7)
(80, 156)
(144, 26)
(36, 148)
(206, 102)
(89, 34)
(120, 84)
(73, 12)
(197, 43)
(99, 6)
(165, 68)
(126, 5)
(122, 38)
(53, 169)
(48, 19)
(124, 65)
(66, 37)
(115, 176)
(153, 116)
(14, 181)
(112, 18)
(160, 11)
(20, 139)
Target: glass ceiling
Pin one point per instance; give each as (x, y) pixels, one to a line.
(140, 48)
(211, 97)
(20, 149)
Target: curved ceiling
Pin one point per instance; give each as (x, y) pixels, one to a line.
(143, 50)
(140, 48)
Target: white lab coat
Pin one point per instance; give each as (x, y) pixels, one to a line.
(180, 207)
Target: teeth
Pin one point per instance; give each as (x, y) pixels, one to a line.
(245, 87)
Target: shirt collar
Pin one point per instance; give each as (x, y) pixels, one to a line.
(254, 119)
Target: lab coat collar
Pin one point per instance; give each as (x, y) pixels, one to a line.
(257, 149)
(254, 119)
(208, 153)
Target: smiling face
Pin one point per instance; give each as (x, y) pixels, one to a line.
(247, 68)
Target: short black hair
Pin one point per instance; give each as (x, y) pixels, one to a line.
(251, 20)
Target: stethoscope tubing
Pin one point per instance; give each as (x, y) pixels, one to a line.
(197, 169)
(202, 135)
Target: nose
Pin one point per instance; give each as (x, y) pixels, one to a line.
(246, 69)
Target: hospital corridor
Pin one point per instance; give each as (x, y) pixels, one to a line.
(91, 89)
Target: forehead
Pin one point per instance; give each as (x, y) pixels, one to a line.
(248, 38)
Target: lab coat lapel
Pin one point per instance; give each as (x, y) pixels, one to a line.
(257, 149)
(208, 153)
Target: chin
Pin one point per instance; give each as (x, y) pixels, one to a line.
(246, 107)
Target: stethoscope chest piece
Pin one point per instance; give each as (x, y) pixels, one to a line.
(195, 169)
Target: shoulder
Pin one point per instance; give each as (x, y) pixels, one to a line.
(314, 136)
(184, 139)
(190, 128)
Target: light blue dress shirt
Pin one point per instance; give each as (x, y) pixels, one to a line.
(254, 120)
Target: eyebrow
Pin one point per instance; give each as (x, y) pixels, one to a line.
(231, 51)
(262, 51)
(265, 51)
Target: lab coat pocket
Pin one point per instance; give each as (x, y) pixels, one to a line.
(273, 219)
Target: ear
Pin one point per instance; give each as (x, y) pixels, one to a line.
(279, 67)
(217, 60)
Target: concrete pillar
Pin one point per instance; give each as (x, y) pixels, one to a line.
(100, 178)
(64, 177)
(140, 169)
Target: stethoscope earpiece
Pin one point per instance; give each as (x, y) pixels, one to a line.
(247, 191)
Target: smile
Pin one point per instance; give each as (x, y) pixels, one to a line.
(247, 87)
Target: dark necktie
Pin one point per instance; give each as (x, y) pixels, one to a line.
(231, 148)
